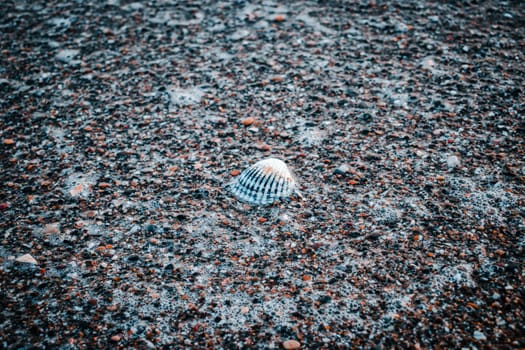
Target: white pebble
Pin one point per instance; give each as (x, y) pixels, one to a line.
(479, 335)
(453, 162)
(67, 55)
(26, 258)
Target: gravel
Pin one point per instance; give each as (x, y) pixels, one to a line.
(121, 123)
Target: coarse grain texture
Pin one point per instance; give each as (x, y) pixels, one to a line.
(121, 121)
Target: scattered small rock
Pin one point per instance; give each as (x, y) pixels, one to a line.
(104, 185)
(291, 344)
(27, 259)
(67, 55)
(51, 229)
(279, 18)
(342, 169)
(248, 121)
(453, 162)
(263, 146)
(479, 336)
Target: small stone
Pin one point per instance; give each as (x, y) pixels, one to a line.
(342, 169)
(67, 55)
(453, 162)
(373, 156)
(9, 142)
(500, 252)
(75, 191)
(291, 344)
(248, 121)
(479, 335)
(51, 229)
(263, 146)
(151, 228)
(26, 258)
(115, 338)
(428, 63)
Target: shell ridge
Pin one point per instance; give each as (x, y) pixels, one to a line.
(254, 183)
(249, 187)
(273, 190)
(264, 192)
(280, 187)
(245, 176)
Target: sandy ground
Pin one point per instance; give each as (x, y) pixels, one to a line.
(121, 123)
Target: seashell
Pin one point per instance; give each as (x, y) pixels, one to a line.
(265, 182)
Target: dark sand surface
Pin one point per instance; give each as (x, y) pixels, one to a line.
(121, 122)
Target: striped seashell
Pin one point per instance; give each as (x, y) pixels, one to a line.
(264, 182)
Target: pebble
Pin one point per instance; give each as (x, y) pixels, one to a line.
(479, 335)
(291, 344)
(453, 162)
(26, 258)
(342, 169)
(279, 18)
(51, 229)
(66, 55)
(248, 121)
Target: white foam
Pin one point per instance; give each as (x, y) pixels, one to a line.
(79, 185)
(184, 97)
(486, 202)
